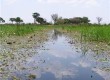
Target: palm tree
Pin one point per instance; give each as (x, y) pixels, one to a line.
(12, 20)
(35, 16)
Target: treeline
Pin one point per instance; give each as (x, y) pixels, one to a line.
(55, 18)
(2, 20)
(37, 20)
(75, 20)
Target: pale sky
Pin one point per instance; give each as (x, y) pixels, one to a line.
(64, 8)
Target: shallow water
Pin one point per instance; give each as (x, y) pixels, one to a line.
(58, 58)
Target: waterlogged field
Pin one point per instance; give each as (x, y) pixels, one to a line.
(35, 52)
(19, 30)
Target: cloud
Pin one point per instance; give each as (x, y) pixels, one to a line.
(92, 2)
(75, 2)
(9, 2)
(81, 63)
(102, 73)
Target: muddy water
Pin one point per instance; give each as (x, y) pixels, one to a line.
(55, 56)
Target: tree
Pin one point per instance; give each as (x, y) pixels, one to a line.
(2, 20)
(66, 21)
(41, 20)
(18, 20)
(12, 20)
(21, 21)
(60, 20)
(99, 19)
(35, 16)
(76, 20)
(54, 18)
(85, 20)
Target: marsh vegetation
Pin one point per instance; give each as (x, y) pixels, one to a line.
(53, 52)
(64, 49)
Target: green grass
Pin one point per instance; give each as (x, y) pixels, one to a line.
(87, 32)
(92, 33)
(97, 34)
(20, 30)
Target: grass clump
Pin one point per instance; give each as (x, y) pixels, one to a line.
(88, 32)
(99, 33)
(19, 30)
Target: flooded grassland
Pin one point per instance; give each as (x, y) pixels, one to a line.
(53, 54)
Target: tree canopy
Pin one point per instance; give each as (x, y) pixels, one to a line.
(35, 16)
(75, 20)
(2, 20)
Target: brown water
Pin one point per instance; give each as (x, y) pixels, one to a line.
(54, 56)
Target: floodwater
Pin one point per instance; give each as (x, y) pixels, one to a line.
(57, 57)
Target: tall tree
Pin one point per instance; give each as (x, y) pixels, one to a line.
(35, 16)
(12, 20)
(54, 18)
(41, 20)
(99, 19)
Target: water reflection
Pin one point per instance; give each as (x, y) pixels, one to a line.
(57, 59)
(56, 34)
(63, 63)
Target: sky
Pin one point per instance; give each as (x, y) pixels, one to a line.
(64, 8)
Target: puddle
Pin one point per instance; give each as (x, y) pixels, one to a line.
(59, 58)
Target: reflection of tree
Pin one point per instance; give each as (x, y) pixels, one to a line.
(84, 49)
(56, 34)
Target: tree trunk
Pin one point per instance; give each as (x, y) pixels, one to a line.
(34, 21)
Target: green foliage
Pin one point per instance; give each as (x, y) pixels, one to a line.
(41, 20)
(75, 20)
(20, 30)
(12, 19)
(97, 33)
(85, 20)
(88, 32)
(2, 20)
(38, 19)
(18, 20)
(35, 16)
(100, 33)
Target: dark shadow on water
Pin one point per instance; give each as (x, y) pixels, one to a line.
(56, 34)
